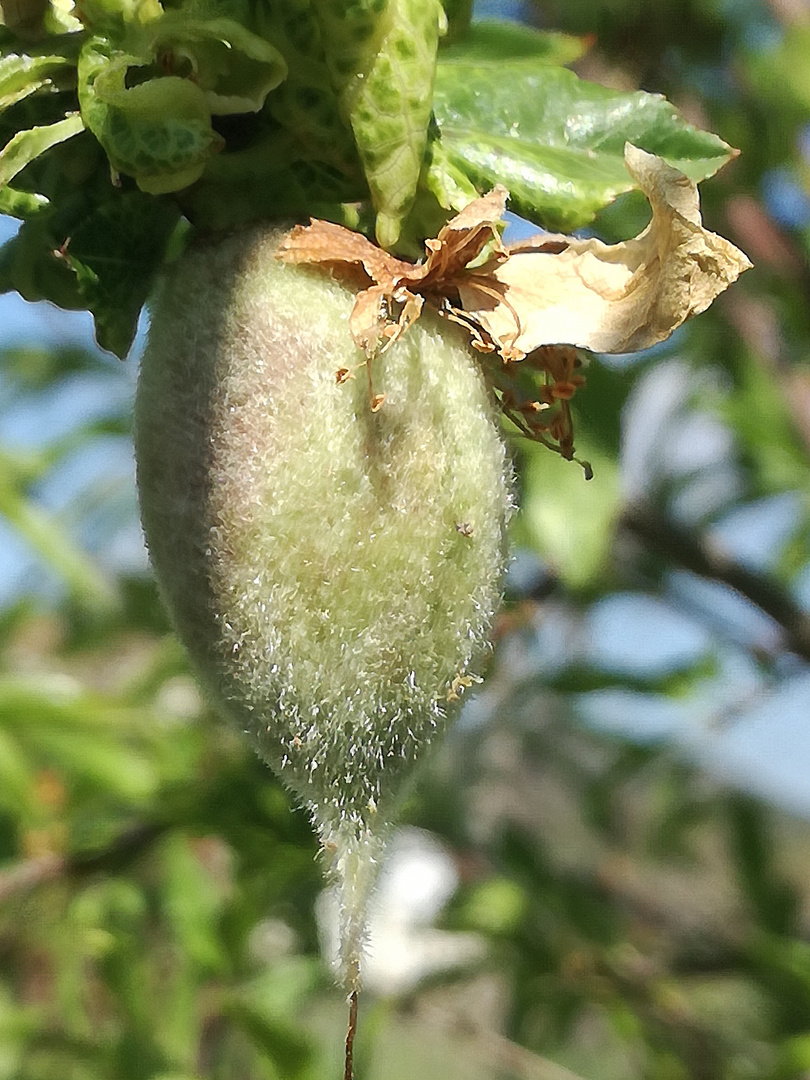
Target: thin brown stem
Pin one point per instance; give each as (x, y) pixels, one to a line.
(348, 1072)
(697, 553)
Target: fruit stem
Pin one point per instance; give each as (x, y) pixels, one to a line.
(355, 858)
(348, 1072)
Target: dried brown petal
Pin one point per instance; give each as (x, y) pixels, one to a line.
(325, 242)
(609, 298)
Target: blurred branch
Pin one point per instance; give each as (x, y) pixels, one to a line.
(523, 1063)
(28, 875)
(502, 1053)
(790, 11)
(24, 877)
(703, 557)
(763, 240)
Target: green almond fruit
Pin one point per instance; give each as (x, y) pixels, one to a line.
(332, 570)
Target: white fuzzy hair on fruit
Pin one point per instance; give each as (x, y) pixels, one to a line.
(333, 571)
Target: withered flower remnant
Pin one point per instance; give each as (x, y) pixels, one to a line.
(543, 297)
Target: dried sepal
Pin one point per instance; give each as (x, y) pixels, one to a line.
(550, 290)
(610, 298)
(393, 300)
(541, 299)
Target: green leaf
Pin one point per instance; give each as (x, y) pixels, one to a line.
(103, 763)
(96, 248)
(116, 15)
(275, 177)
(17, 785)
(25, 146)
(24, 74)
(276, 1038)
(448, 182)
(17, 1021)
(555, 141)
(177, 1076)
(567, 520)
(116, 252)
(794, 1056)
(382, 56)
(159, 131)
(88, 583)
(492, 41)
(28, 265)
(306, 104)
(495, 906)
(20, 204)
(262, 1010)
(789, 57)
(70, 170)
(235, 68)
(56, 701)
(31, 368)
(774, 899)
(193, 901)
(760, 414)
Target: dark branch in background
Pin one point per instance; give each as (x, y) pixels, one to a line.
(28, 875)
(703, 557)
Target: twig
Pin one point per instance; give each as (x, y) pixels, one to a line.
(498, 1051)
(348, 1073)
(25, 876)
(525, 1063)
(699, 555)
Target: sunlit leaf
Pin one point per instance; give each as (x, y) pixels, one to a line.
(158, 132)
(235, 68)
(28, 145)
(555, 141)
(22, 74)
(20, 204)
(382, 59)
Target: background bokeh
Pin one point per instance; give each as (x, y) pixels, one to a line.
(605, 871)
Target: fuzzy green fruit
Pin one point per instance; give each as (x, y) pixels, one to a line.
(332, 571)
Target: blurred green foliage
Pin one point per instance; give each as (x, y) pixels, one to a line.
(638, 916)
